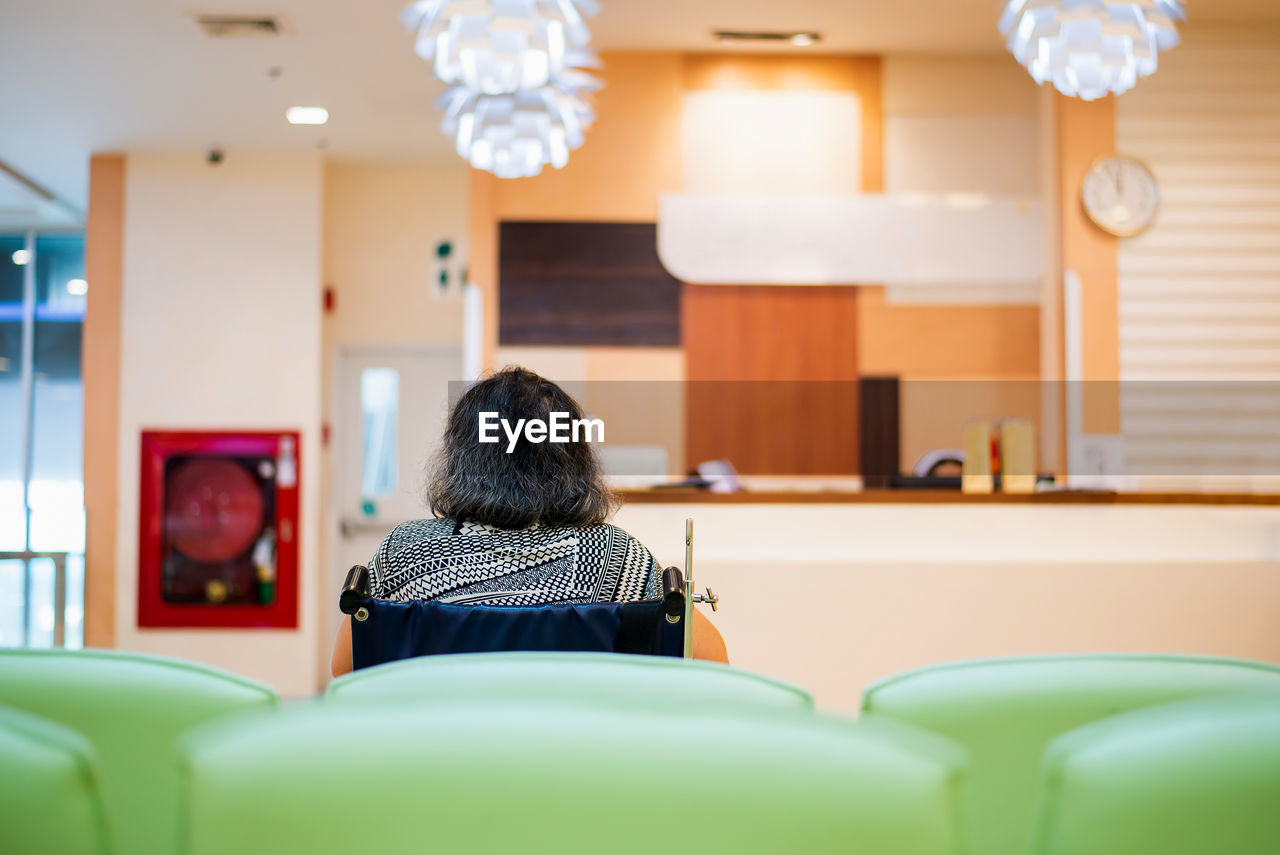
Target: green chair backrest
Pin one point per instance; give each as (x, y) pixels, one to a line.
(1004, 711)
(49, 798)
(131, 708)
(547, 777)
(1189, 778)
(649, 682)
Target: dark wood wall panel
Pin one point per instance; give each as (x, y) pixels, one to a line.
(579, 284)
(880, 429)
(773, 378)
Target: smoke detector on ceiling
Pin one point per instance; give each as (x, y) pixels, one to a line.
(242, 26)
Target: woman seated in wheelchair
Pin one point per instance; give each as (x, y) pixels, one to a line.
(519, 527)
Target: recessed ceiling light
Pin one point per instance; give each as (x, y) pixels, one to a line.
(800, 39)
(307, 115)
(21, 257)
(77, 287)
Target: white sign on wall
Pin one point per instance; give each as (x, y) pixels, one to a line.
(905, 239)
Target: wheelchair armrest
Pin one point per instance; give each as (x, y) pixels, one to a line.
(673, 592)
(355, 590)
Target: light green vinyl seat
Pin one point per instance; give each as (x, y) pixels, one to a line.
(49, 799)
(1004, 712)
(648, 682)
(131, 708)
(1188, 778)
(550, 777)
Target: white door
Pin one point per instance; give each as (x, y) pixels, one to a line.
(389, 413)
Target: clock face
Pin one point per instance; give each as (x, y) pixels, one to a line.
(1120, 195)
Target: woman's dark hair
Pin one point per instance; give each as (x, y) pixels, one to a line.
(553, 484)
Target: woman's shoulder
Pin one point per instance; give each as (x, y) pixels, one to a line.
(416, 531)
(606, 536)
(622, 539)
(633, 568)
(618, 532)
(608, 530)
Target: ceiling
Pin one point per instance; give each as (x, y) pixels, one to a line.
(86, 75)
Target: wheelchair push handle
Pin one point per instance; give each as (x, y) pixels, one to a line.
(673, 593)
(355, 590)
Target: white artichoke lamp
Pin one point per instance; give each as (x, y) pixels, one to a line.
(496, 47)
(1090, 48)
(515, 135)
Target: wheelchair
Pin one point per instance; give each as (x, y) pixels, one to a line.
(384, 631)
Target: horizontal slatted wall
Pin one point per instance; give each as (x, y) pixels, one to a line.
(1200, 291)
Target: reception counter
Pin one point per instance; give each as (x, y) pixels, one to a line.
(835, 589)
(672, 495)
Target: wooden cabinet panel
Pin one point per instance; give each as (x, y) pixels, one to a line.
(772, 378)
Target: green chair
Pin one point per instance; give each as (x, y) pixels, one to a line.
(1004, 711)
(648, 682)
(1187, 778)
(549, 777)
(49, 799)
(131, 708)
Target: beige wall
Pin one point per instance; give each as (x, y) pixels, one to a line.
(959, 124)
(220, 328)
(788, 84)
(771, 142)
(382, 222)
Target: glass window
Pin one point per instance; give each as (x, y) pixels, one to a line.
(56, 496)
(41, 597)
(12, 588)
(41, 469)
(74, 630)
(12, 519)
(380, 407)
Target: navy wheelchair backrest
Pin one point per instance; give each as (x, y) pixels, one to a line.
(384, 631)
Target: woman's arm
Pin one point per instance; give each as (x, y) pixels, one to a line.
(340, 662)
(707, 641)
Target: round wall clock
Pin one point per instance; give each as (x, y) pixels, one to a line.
(1121, 195)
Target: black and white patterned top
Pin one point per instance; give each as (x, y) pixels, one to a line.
(452, 562)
